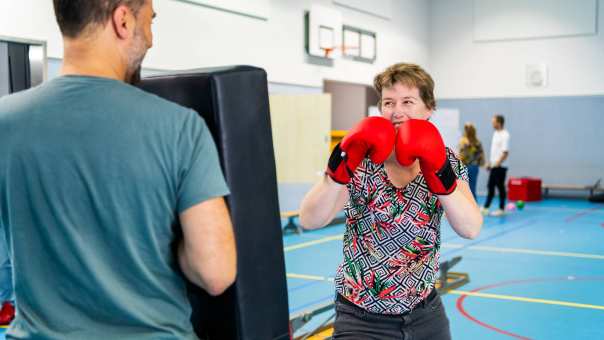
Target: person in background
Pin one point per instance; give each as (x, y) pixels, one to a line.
(471, 154)
(497, 166)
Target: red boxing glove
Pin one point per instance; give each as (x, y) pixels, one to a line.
(419, 139)
(373, 137)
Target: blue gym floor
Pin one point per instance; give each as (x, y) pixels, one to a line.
(534, 274)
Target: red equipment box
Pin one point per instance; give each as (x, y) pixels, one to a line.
(524, 188)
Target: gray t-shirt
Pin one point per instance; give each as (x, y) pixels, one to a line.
(93, 173)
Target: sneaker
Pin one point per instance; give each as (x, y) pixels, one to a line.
(484, 211)
(7, 313)
(497, 213)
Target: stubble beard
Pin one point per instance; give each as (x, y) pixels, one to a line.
(136, 56)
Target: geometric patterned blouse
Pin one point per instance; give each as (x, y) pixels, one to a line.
(392, 241)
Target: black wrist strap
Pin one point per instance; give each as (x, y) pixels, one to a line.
(446, 175)
(336, 158)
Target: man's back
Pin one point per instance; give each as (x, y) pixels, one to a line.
(499, 144)
(93, 174)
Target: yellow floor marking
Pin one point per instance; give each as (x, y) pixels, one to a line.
(328, 332)
(322, 335)
(312, 243)
(528, 251)
(456, 245)
(525, 299)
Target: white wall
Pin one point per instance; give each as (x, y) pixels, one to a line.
(437, 34)
(191, 36)
(463, 68)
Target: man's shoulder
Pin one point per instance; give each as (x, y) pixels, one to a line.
(501, 133)
(55, 88)
(16, 101)
(504, 134)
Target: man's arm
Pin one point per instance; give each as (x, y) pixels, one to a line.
(503, 157)
(207, 254)
(505, 142)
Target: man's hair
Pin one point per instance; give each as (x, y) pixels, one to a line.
(410, 75)
(500, 120)
(75, 16)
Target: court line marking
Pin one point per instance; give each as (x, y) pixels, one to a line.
(314, 302)
(464, 312)
(522, 225)
(456, 245)
(557, 209)
(477, 294)
(309, 277)
(526, 299)
(582, 213)
(340, 236)
(527, 251)
(314, 242)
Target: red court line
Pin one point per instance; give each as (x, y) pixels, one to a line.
(463, 312)
(581, 213)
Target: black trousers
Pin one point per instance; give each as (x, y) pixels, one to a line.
(427, 321)
(497, 180)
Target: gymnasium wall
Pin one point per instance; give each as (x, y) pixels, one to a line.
(556, 130)
(556, 138)
(467, 68)
(191, 36)
(478, 77)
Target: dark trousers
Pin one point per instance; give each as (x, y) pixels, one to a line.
(427, 321)
(473, 177)
(497, 179)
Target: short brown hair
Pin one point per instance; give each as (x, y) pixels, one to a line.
(500, 120)
(75, 16)
(409, 75)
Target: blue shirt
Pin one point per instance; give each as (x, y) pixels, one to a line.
(93, 173)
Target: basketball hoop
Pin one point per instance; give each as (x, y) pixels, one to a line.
(346, 50)
(327, 51)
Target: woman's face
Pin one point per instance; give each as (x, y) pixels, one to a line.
(401, 103)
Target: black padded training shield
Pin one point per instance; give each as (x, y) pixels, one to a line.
(234, 103)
